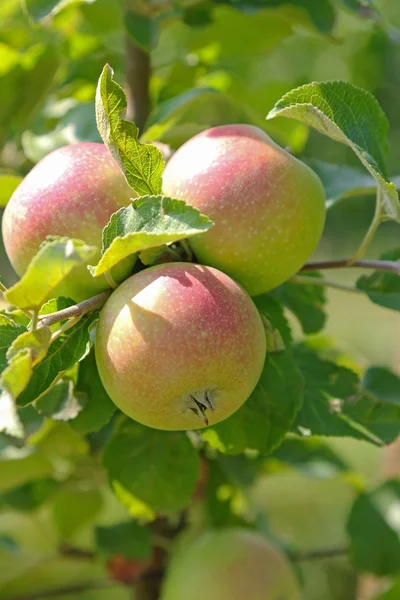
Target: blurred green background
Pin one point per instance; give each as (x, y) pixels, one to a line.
(211, 63)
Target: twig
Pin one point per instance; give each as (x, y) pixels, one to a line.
(67, 589)
(76, 310)
(379, 265)
(304, 280)
(319, 554)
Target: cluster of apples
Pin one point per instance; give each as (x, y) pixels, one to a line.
(180, 345)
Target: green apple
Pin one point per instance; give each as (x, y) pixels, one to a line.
(179, 346)
(267, 206)
(230, 564)
(73, 191)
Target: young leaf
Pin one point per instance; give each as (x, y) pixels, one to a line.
(158, 468)
(265, 418)
(148, 222)
(306, 302)
(129, 539)
(55, 259)
(97, 407)
(37, 342)
(328, 389)
(383, 287)
(374, 532)
(142, 164)
(349, 115)
(63, 354)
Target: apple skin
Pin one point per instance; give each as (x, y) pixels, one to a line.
(234, 564)
(173, 333)
(267, 206)
(73, 191)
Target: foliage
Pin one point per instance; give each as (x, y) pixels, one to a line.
(107, 489)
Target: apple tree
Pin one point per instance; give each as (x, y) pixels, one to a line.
(197, 202)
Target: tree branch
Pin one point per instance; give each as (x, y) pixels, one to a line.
(346, 263)
(67, 589)
(319, 554)
(138, 71)
(76, 310)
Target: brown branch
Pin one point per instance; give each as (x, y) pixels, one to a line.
(76, 310)
(319, 554)
(67, 589)
(138, 70)
(346, 263)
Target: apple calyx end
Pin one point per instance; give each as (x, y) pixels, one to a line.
(199, 403)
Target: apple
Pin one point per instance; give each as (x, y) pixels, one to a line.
(267, 206)
(73, 191)
(230, 564)
(179, 346)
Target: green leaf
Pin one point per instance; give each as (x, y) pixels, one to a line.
(158, 468)
(148, 222)
(166, 114)
(344, 181)
(378, 408)
(30, 496)
(312, 456)
(265, 418)
(391, 593)
(142, 28)
(97, 406)
(13, 381)
(142, 164)
(74, 508)
(60, 403)
(349, 115)
(37, 342)
(383, 384)
(9, 331)
(383, 287)
(63, 354)
(8, 184)
(321, 12)
(328, 387)
(129, 539)
(306, 302)
(374, 530)
(273, 311)
(53, 262)
(44, 9)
